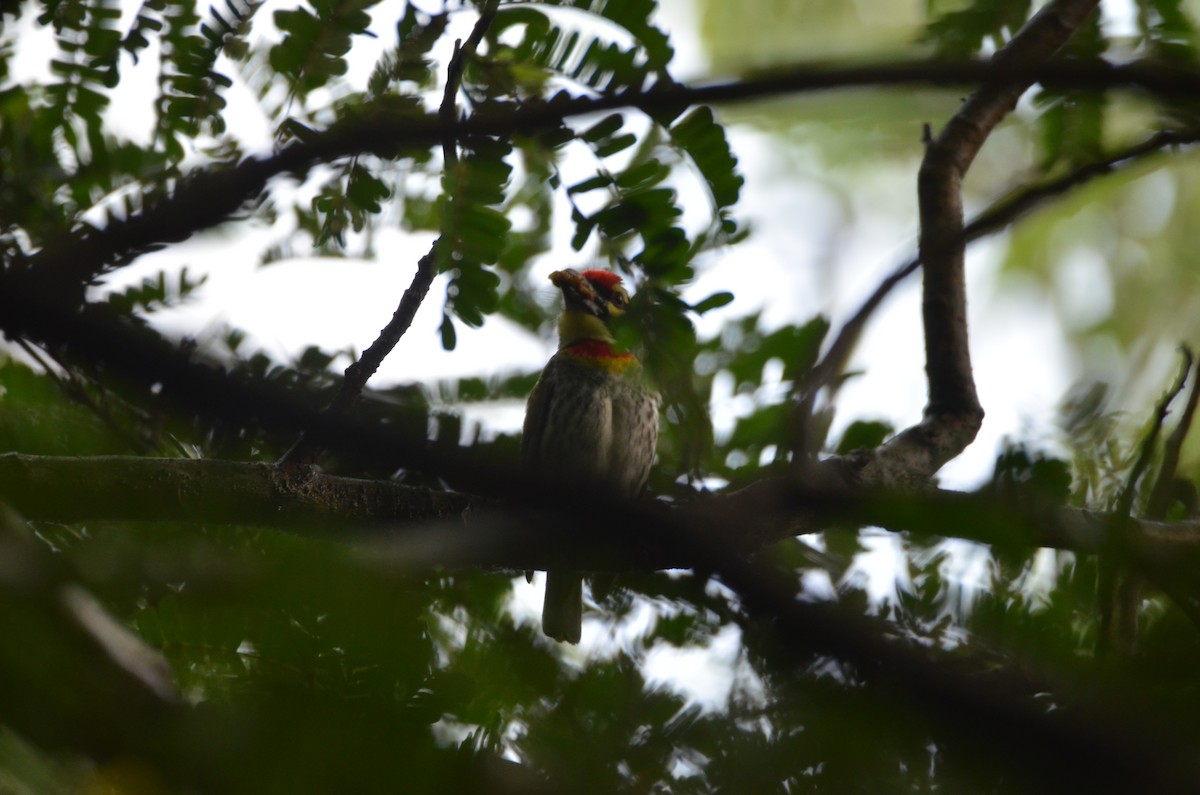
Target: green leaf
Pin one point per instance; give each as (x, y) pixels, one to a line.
(365, 193)
(605, 128)
(704, 140)
(964, 32)
(1166, 30)
(590, 184)
(449, 336)
(864, 435)
(313, 49)
(642, 176)
(714, 301)
(612, 146)
(634, 16)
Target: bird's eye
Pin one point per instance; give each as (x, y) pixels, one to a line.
(620, 298)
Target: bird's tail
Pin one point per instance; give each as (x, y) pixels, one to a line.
(562, 610)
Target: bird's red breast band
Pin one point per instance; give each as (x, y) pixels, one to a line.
(598, 349)
(606, 279)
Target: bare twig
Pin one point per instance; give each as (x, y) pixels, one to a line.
(1160, 496)
(306, 449)
(448, 112)
(1009, 208)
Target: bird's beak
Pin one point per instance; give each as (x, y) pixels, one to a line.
(578, 292)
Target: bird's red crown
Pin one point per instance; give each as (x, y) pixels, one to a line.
(600, 278)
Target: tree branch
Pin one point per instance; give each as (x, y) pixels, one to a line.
(953, 414)
(979, 707)
(1002, 213)
(208, 198)
(30, 297)
(448, 112)
(306, 451)
(430, 527)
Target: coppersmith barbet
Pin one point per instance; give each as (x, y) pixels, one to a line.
(589, 422)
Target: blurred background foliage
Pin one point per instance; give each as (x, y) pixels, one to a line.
(306, 664)
(1112, 256)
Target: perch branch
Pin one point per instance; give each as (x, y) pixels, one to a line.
(981, 707)
(430, 527)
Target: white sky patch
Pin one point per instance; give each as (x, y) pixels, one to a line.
(1084, 287)
(1149, 204)
(1119, 18)
(703, 675)
(878, 568)
(817, 584)
(525, 604)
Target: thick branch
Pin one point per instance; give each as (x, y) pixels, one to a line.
(209, 198)
(983, 708)
(126, 488)
(953, 413)
(427, 527)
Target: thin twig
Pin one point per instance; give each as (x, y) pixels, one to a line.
(1124, 506)
(448, 112)
(1159, 502)
(1116, 611)
(1177, 585)
(307, 449)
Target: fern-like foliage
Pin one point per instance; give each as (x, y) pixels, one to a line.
(191, 100)
(316, 41)
(961, 32)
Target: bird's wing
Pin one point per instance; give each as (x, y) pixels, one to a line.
(537, 412)
(633, 452)
(568, 432)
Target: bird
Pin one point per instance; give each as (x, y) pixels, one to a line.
(590, 422)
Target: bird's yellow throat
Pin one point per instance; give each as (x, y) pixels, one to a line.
(574, 326)
(586, 339)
